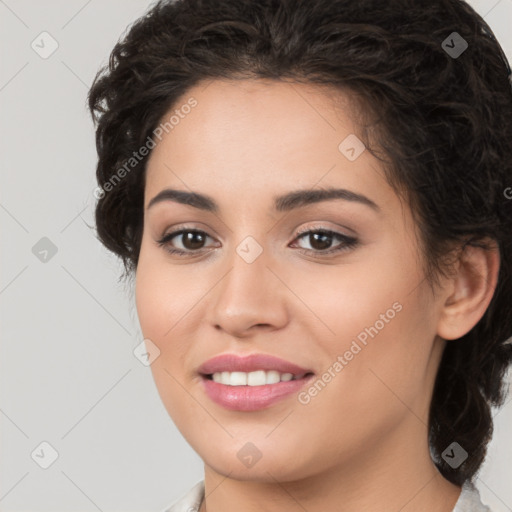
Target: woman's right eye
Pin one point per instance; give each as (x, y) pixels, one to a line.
(190, 240)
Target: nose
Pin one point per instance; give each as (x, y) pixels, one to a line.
(249, 297)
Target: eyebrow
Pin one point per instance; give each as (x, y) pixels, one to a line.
(283, 203)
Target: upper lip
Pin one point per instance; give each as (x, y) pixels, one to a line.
(249, 363)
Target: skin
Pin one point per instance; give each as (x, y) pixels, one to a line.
(361, 443)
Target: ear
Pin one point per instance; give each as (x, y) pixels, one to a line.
(468, 291)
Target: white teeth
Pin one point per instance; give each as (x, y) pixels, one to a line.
(256, 378)
(272, 377)
(238, 379)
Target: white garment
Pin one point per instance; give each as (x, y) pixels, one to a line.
(469, 500)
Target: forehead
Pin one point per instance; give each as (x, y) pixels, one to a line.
(255, 138)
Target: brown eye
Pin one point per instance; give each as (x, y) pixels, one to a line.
(321, 241)
(192, 239)
(188, 241)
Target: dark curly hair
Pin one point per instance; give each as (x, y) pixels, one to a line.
(440, 123)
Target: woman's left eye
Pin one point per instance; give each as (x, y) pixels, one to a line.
(323, 237)
(319, 239)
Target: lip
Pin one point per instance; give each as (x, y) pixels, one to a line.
(251, 398)
(249, 363)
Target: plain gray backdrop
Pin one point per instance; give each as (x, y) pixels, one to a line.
(68, 376)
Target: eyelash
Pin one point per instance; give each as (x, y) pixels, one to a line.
(347, 242)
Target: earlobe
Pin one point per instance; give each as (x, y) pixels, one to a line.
(470, 291)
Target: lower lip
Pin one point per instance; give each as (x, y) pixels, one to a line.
(251, 398)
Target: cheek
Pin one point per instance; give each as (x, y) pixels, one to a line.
(163, 294)
(379, 314)
(162, 299)
(376, 369)
(159, 307)
(366, 292)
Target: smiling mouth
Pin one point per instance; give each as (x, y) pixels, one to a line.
(254, 378)
(251, 382)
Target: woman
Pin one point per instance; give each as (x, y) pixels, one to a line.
(311, 198)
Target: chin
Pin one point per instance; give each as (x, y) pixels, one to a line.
(238, 465)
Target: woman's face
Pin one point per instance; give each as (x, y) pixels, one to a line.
(352, 309)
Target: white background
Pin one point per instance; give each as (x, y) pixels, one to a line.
(67, 372)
